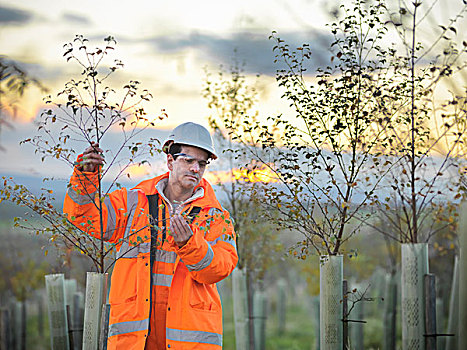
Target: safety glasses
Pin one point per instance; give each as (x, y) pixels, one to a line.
(189, 160)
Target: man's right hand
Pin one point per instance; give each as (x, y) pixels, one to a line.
(92, 158)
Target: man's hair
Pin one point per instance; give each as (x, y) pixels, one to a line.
(175, 148)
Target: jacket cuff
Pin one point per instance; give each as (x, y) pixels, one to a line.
(84, 181)
(196, 254)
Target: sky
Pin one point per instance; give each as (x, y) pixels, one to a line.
(166, 45)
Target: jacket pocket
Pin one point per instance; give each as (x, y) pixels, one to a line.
(204, 297)
(124, 282)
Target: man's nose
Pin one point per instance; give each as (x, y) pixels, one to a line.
(195, 167)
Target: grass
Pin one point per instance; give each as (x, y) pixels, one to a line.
(298, 334)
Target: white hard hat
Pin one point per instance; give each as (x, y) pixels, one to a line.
(191, 134)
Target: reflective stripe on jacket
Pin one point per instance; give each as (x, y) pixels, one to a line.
(194, 319)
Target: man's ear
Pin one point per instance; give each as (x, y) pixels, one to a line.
(170, 160)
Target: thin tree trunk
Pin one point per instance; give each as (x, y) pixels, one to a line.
(414, 235)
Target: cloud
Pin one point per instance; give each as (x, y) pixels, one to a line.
(253, 48)
(40, 71)
(171, 89)
(71, 17)
(13, 16)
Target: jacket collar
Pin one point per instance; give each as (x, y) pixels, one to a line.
(208, 198)
(162, 184)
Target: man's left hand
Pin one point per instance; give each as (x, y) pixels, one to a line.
(180, 230)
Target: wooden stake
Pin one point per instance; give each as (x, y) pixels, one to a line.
(78, 320)
(390, 312)
(345, 311)
(5, 340)
(430, 312)
(259, 320)
(281, 304)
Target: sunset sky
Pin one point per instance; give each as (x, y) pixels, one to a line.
(164, 44)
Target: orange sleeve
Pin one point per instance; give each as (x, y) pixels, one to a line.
(82, 207)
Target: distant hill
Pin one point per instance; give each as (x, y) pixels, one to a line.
(8, 210)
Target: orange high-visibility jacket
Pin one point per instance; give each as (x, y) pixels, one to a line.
(195, 317)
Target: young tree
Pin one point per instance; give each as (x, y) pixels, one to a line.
(426, 138)
(326, 157)
(230, 97)
(323, 157)
(425, 141)
(87, 112)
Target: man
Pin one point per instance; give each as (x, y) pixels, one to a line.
(174, 242)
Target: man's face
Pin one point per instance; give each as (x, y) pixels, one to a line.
(188, 167)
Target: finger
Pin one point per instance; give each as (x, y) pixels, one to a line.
(177, 229)
(180, 222)
(90, 162)
(172, 228)
(95, 145)
(93, 161)
(183, 226)
(180, 235)
(181, 219)
(93, 150)
(93, 156)
(98, 150)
